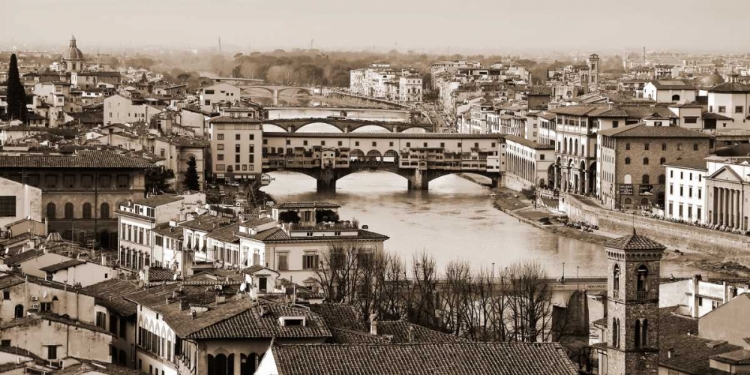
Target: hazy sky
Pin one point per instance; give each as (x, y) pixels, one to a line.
(496, 25)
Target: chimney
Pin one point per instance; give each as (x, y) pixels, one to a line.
(262, 310)
(184, 305)
(374, 327)
(696, 285)
(104, 260)
(146, 276)
(411, 333)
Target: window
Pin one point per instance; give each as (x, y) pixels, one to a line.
(695, 147)
(615, 124)
(662, 179)
(645, 179)
(637, 334)
(662, 161)
(627, 160)
(52, 352)
(6, 295)
(642, 279)
(5, 343)
(7, 206)
(310, 261)
(645, 161)
(236, 148)
(664, 147)
(220, 136)
(283, 262)
(51, 214)
(68, 210)
(220, 146)
(699, 197)
(236, 137)
(615, 332)
(691, 120)
(123, 181)
(627, 146)
(645, 146)
(722, 109)
(252, 137)
(679, 147)
(681, 190)
(87, 210)
(616, 278)
(738, 109)
(104, 211)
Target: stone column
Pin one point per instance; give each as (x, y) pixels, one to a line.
(557, 177)
(737, 211)
(733, 209)
(715, 206)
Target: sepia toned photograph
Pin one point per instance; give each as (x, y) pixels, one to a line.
(354, 187)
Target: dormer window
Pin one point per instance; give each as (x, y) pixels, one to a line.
(292, 321)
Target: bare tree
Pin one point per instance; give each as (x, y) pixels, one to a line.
(338, 272)
(421, 291)
(530, 303)
(456, 292)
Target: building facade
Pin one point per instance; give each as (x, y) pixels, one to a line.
(686, 191)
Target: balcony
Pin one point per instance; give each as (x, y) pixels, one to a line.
(644, 295)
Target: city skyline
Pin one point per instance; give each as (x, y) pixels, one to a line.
(435, 26)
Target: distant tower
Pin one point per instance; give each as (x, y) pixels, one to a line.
(633, 306)
(593, 63)
(644, 56)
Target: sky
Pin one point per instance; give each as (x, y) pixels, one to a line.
(423, 25)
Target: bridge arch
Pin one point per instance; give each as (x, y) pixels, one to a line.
(390, 156)
(273, 128)
(296, 89)
(374, 156)
(318, 127)
(414, 130)
(356, 154)
(371, 128)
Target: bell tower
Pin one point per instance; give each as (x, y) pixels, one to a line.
(593, 63)
(633, 305)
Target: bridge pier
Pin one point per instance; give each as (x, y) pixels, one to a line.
(419, 181)
(326, 181)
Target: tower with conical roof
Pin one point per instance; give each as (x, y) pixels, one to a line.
(72, 57)
(633, 305)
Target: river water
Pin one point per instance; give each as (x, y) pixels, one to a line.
(455, 219)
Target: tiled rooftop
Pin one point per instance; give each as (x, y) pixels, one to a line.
(83, 159)
(634, 242)
(424, 359)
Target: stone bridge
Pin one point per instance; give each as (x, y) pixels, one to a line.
(420, 158)
(275, 91)
(345, 125)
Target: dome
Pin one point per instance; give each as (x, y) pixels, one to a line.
(714, 79)
(72, 53)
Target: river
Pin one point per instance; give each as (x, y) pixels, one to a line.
(455, 219)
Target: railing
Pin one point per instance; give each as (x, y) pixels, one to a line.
(643, 295)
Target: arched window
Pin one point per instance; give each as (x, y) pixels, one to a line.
(644, 202)
(642, 278)
(616, 277)
(627, 160)
(87, 210)
(249, 364)
(644, 334)
(628, 201)
(637, 334)
(645, 161)
(104, 211)
(662, 178)
(645, 179)
(19, 311)
(220, 364)
(68, 210)
(675, 98)
(627, 179)
(211, 365)
(662, 161)
(615, 333)
(51, 211)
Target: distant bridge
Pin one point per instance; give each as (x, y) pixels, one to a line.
(276, 90)
(345, 125)
(420, 158)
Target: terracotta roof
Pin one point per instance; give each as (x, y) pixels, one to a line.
(689, 164)
(83, 159)
(226, 233)
(337, 315)
(206, 223)
(278, 235)
(633, 242)
(181, 321)
(262, 321)
(405, 332)
(7, 281)
(742, 149)
(731, 87)
(573, 110)
(167, 231)
(157, 200)
(528, 143)
(62, 265)
(110, 295)
(691, 353)
(293, 205)
(715, 116)
(22, 257)
(418, 359)
(347, 336)
(643, 131)
(672, 84)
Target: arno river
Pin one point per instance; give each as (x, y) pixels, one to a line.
(455, 219)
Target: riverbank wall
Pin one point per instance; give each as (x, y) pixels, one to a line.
(727, 245)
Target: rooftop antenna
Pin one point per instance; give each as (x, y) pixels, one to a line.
(219, 45)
